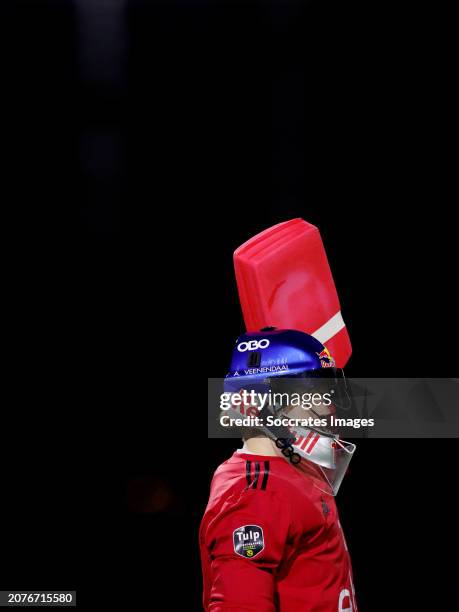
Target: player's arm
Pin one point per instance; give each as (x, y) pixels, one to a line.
(246, 543)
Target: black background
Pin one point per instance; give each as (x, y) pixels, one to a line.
(134, 166)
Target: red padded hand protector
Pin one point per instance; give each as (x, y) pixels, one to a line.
(284, 280)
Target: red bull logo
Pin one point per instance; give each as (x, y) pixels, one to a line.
(326, 360)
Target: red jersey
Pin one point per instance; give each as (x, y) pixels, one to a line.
(272, 541)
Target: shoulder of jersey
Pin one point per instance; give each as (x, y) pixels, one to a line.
(262, 474)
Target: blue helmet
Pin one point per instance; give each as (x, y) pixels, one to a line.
(271, 352)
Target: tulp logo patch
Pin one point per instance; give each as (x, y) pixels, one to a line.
(248, 541)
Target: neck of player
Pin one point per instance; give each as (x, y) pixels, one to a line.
(261, 446)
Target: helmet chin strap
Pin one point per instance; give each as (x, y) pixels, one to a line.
(287, 450)
(282, 437)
